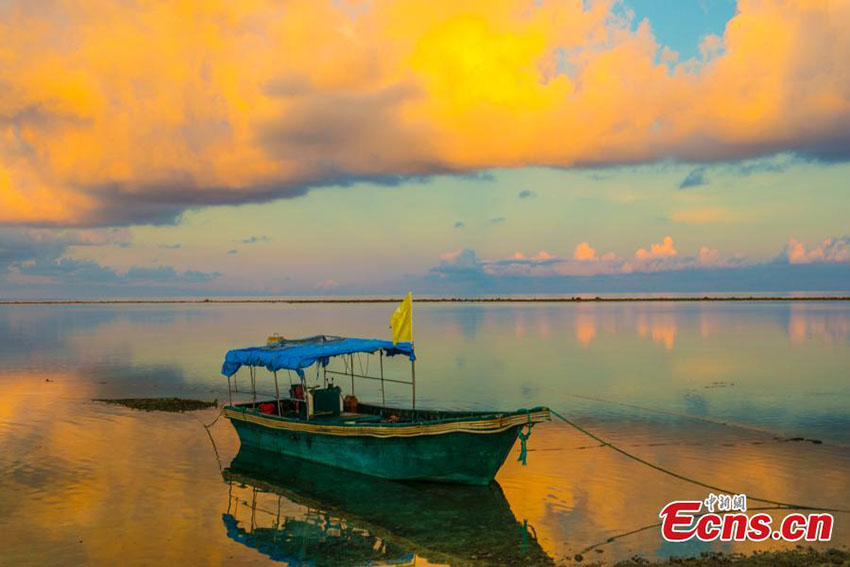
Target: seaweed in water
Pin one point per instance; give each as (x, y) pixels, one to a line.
(162, 404)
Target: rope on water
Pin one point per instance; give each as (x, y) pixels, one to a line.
(207, 428)
(614, 538)
(685, 478)
(208, 425)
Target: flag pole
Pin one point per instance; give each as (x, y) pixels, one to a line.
(401, 323)
(383, 395)
(413, 376)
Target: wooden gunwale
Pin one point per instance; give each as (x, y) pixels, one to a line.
(486, 424)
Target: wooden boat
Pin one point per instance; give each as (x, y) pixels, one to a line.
(303, 513)
(315, 424)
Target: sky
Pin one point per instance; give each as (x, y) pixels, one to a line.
(275, 148)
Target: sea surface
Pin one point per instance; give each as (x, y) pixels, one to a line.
(753, 397)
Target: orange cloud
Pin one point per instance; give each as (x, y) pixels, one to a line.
(584, 252)
(830, 250)
(133, 111)
(663, 250)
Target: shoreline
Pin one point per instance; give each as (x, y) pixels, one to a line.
(798, 555)
(575, 299)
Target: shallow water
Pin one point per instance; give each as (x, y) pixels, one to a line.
(715, 391)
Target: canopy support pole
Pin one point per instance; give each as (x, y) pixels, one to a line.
(413, 380)
(254, 385)
(277, 394)
(383, 397)
(351, 362)
(229, 391)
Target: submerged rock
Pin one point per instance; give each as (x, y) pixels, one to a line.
(161, 404)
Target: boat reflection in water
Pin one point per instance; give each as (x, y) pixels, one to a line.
(304, 513)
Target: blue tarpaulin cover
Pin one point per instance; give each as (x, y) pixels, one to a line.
(299, 354)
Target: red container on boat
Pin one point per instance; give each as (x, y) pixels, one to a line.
(349, 404)
(267, 408)
(296, 392)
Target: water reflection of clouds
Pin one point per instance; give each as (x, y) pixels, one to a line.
(63, 336)
(580, 497)
(97, 482)
(80, 465)
(585, 328)
(818, 322)
(456, 321)
(661, 328)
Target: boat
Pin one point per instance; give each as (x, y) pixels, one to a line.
(318, 424)
(303, 513)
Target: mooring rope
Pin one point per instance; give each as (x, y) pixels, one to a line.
(614, 538)
(207, 428)
(523, 437)
(713, 421)
(686, 478)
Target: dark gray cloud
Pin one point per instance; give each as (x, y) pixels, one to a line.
(19, 246)
(64, 271)
(695, 178)
(469, 276)
(167, 274)
(24, 245)
(70, 270)
(825, 267)
(828, 147)
(483, 175)
(255, 239)
(750, 167)
(527, 194)
(512, 262)
(463, 265)
(498, 220)
(122, 204)
(459, 224)
(332, 137)
(42, 254)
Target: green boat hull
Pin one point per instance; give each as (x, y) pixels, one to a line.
(457, 457)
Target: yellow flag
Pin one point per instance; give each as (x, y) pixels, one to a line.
(402, 320)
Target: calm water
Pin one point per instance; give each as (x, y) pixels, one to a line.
(713, 390)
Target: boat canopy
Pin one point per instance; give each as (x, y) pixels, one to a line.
(301, 353)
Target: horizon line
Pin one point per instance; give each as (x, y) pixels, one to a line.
(572, 299)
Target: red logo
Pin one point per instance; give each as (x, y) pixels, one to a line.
(683, 520)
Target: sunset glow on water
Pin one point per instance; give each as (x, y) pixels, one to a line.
(628, 215)
(713, 391)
